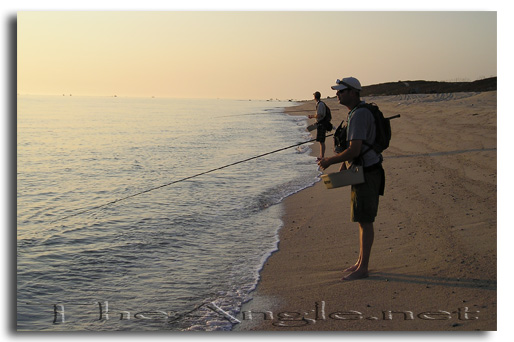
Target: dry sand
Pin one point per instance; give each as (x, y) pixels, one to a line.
(433, 262)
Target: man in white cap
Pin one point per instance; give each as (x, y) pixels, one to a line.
(361, 131)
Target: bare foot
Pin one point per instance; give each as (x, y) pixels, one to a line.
(360, 274)
(351, 268)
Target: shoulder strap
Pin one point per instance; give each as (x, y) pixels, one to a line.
(370, 146)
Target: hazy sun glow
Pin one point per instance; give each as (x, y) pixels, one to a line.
(246, 55)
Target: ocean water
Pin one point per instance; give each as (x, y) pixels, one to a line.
(182, 256)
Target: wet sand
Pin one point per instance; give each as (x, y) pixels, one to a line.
(433, 262)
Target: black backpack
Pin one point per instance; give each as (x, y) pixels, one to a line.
(326, 120)
(383, 131)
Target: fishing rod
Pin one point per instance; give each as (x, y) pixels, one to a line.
(181, 180)
(293, 111)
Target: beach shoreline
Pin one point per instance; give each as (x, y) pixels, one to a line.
(433, 263)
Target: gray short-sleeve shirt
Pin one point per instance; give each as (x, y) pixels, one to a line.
(320, 111)
(361, 126)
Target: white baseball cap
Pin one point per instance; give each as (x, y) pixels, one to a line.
(347, 82)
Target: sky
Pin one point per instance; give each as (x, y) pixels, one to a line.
(246, 54)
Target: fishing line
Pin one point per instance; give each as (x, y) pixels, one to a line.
(181, 180)
(310, 110)
(231, 115)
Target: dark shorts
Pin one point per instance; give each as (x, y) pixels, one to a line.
(365, 196)
(322, 132)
